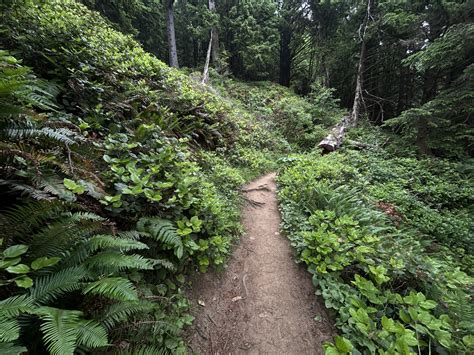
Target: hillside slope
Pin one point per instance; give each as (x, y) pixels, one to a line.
(119, 176)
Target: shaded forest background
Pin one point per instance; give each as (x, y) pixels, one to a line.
(417, 62)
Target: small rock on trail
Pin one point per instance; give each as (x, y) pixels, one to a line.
(264, 303)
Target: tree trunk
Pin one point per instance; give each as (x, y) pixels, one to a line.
(173, 53)
(358, 97)
(430, 85)
(214, 36)
(285, 42)
(205, 73)
(336, 136)
(285, 56)
(334, 139)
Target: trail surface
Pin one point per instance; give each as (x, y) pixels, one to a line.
(264, 302)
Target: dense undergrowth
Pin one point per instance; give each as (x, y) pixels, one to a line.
(388, 241)
(119, 175)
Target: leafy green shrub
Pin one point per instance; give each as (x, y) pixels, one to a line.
(391, 289)
(119, 143)
(106, 77)
(302, 122)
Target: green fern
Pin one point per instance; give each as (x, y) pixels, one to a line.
(11, 349)
(51, 286)
(10, 309)
(123, 311)
(145, 350)
(64, 329)
(91, 334)
(9, 330)
(109, 261)
(107, 241)
(14, 306)
(116, 288)
(23, 220)
(165, 264)
(163, 231)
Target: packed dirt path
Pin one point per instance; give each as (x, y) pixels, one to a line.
(263, 303)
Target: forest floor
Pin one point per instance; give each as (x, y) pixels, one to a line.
(263, 303)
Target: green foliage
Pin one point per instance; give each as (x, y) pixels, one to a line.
(301, 122)
(164, 232)
(389, 286)
(121, 137)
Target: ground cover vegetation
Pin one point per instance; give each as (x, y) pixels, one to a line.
(389, 252)
(120, 174)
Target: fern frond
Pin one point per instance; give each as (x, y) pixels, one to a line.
(25, 189)
(107, 241)
(58, 334)
(9, 329)
(62, 136)
(113, 287)
(123, 311)
(64, 330)
(109, 261)
(91, 334)
(132, 234)
(58, 237)
(163, 231)
(51, 286)
(11, 349)
(23, 219)
(165, 264)
(15, 305)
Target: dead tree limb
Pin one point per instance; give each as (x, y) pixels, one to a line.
(334, 139)
(336, 136)
(205, 73)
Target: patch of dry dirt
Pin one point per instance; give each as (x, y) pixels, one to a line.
(264, 302)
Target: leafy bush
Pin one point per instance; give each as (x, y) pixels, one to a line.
(393, 291)
(125, 156)
(301, 121)
(106, 77)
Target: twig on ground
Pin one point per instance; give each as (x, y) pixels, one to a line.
(259, 188)
(254, 203)
(245, 286)
(212, 320)
(200, 332)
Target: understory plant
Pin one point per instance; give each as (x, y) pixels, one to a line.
(394, 287)
(110, 184)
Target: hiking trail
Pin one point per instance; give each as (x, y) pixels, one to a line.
(263, 303)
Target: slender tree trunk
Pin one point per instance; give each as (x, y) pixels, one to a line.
(358, 97)
(430, 85)
(205, 73)
(214, 36)
(173, 53)
(336, 135)
(285, 56)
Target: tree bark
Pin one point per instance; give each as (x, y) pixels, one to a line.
(334, 139)
(336, 136)
(214, 36)
(430, 85)
(358, 97)
(205, 73)
(285, 56)
(173, 53)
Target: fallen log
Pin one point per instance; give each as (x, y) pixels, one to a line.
(335, 137)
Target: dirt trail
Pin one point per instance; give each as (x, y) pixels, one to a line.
(264, 302)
